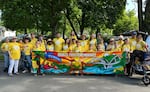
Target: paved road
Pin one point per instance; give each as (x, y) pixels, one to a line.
(70, 83)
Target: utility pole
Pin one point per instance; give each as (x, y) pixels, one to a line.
(140, 14)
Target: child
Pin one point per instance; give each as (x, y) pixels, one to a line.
(37, 64)
(27, 48)
(50, 45)
(14, 53)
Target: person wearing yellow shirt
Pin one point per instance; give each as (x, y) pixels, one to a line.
(14, 54)
(120, 42)
(72, 44)
(126, 47)
(27, 49)
(78, 48)
(93, 41)
(4, 48)
(33, 39)
(50, 45)
(91, 48)
(66, 45)
(112, 45)
(132, 41)
(100, 47)
(43, 43)
(140, 44)
(58, 42)
(73, 36)
(84, 43)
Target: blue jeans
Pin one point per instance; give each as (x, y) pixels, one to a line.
(28, 63)
(6, 59)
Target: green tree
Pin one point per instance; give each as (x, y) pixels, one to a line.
(127, 22)
(94, 13)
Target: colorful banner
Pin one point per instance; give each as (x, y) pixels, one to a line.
(85, 62)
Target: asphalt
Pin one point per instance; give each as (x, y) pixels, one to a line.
(70, 83)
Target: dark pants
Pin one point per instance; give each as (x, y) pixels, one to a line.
(136, 53)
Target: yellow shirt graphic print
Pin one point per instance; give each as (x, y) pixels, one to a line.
(14, 50)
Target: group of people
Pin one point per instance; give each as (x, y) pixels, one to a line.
(15, 50)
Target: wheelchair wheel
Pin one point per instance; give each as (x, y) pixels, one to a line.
(146, 80)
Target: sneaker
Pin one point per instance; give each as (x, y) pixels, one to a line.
(10, 74)
(16, 73)
(24, 71)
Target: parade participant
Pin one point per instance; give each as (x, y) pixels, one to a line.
(112, 45)
(27, 49)
(66, 45)
(91, 48)
(72, 44)
(50, 45)
(58, 42)
(99, 37)
(37, 63)
(14, 54)
(73, 36)
(126, 46)
(43, 43)
(140, 44)
(4, 48)
(120, 42)
(84, 43)
(92, 41)
(78, 48)
(132, 41)
(33, 39)
(101, 46)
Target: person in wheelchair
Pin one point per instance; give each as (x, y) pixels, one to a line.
(138, 53)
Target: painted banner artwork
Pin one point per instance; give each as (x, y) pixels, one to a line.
(84, 62)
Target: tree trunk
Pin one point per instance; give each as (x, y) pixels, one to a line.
(140, 15)
(147, 17)
(71, 24)
(25, 31)
(82, 24)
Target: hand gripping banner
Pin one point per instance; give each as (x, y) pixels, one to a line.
(84, 62)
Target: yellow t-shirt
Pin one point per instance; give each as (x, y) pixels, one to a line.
(119, 44)
(84, 45)
(141, 45)
(50, 47)
(78, 49)
(58, 44)
(43, 48)
(33, 41)
(72, 47)
(27, 48)
(14, 51)
(4, 47)
(111, 47)
(73, 37)
(102, 47)
(37, 48)
(126, 47)
(93, 42)
(132, 43)
(65, 47)
(21, 46)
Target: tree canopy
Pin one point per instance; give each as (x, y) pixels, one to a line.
(54, 15)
